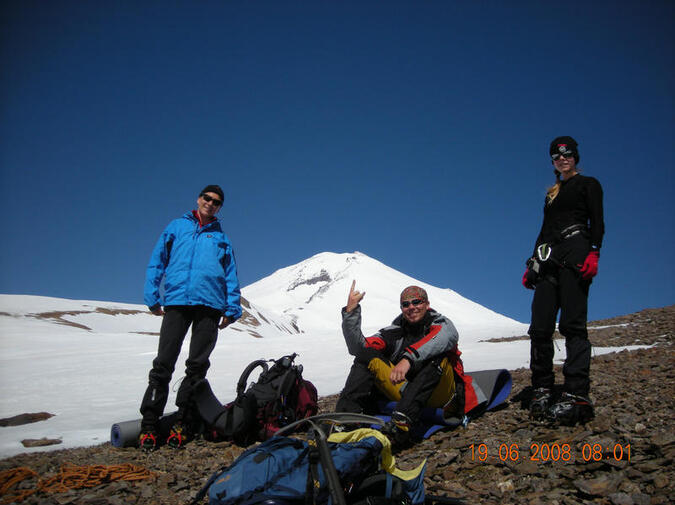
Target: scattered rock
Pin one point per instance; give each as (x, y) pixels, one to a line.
(621, 499)
(40, 442)
(602, 486)
(25, 419)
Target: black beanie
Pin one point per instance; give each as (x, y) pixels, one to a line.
(213, 188)
(564, 144)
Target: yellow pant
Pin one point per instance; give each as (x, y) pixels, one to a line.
(441, 396)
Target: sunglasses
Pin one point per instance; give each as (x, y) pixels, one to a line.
(557, 156)
(414, 302)
(215, 201)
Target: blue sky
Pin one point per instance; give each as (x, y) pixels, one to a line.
(415, 132)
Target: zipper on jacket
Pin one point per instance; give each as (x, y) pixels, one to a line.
(195, 239)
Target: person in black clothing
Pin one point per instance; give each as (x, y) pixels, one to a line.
(561, 269)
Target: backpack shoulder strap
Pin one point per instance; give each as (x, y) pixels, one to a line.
(289, 377)
(243, 380)
(287, 381)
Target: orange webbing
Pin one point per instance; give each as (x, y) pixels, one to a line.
(69, 477)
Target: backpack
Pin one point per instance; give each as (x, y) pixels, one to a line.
(279, 397)
(279, 471)
(291, 471)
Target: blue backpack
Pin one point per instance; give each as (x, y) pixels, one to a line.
(290, 471)
(279, 470)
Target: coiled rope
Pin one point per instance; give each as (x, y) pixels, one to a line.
(69, 477)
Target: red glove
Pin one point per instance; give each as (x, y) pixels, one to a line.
(590, 267)
(526, 281)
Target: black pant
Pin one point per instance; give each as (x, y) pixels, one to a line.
(361, 396)
(176, 322)
(562, 289)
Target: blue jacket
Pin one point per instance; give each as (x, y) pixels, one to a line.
(198, 267)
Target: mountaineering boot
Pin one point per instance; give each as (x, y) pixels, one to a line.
(397, 431)
(540, 403)
(147, 440)
(571, 409)
(177, 436)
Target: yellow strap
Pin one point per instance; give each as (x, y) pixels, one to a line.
(388, 461)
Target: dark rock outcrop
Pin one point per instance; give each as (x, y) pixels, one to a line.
(25, 418)
(40, 442)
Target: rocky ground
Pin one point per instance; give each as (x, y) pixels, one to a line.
(623, 457)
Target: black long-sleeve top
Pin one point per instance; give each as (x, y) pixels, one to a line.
(579, 201)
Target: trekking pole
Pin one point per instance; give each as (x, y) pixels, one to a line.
(332, 477)
(331, 417)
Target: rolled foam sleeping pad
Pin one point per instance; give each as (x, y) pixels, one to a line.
(496, 384)
(126, 433)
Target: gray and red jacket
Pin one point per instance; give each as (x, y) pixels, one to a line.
(435, 336)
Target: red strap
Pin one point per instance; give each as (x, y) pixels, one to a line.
(433, 331)
(470, 398)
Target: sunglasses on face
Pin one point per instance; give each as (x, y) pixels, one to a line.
(414, 302)
(557, 156)
(215, 201)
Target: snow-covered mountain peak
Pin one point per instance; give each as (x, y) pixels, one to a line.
(313, 291)
(315, 276)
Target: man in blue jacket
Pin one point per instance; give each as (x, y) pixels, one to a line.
(201, 289)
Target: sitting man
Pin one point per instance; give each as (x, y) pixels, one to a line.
(414, 361)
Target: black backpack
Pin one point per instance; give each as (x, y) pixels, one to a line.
(280, 396)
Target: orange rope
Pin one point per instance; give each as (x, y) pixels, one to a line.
(11, 478)
(69, 477)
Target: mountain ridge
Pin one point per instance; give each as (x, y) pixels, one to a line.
(255, 321)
